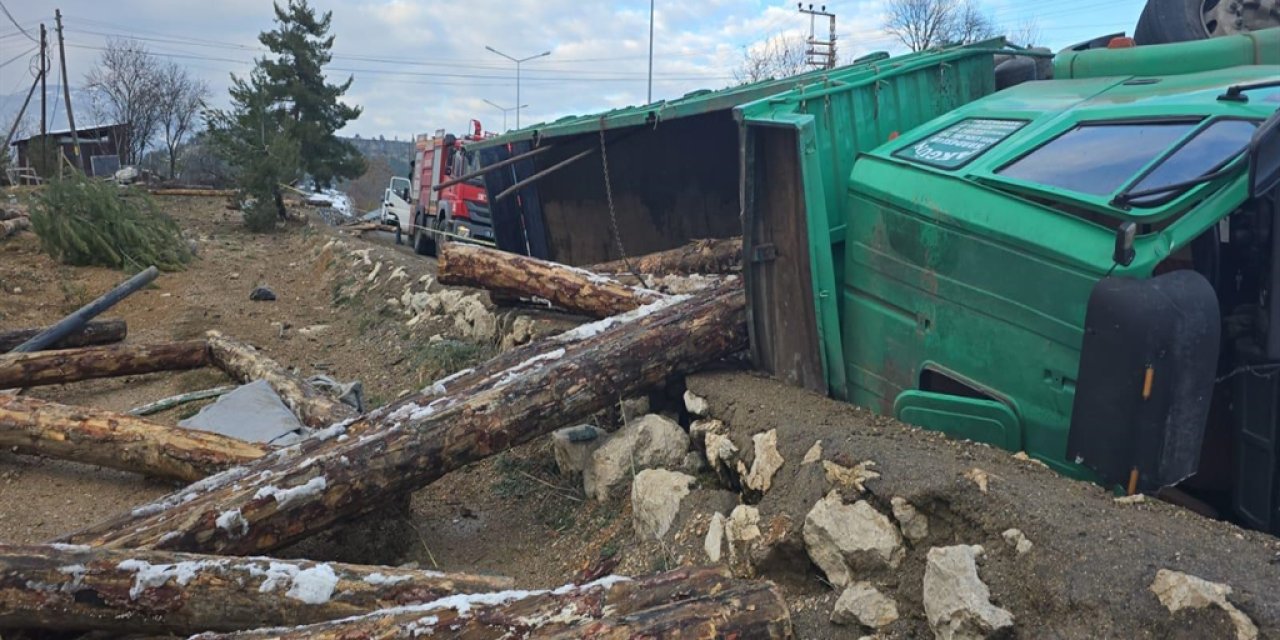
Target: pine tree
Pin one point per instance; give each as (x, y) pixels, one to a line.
(295, 79)
(257, 139)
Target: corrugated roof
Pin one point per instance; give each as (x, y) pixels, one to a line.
(63, 132)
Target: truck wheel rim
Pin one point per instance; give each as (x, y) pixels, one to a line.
(1228, 17)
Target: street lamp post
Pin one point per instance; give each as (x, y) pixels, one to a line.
(504, 110)
(518, 62)
(650, 51)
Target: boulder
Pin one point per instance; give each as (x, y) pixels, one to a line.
(864, 604)
(262, 294)
(655, 500)
(915, 525)
(957, 603)
(696, 404)
(573, 447)
(847, 539)
(742, 530)
(1178, 591)
(767, 461)
(648, 443)
(633, 408)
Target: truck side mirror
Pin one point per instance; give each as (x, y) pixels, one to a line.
(1124, 254)
(1264, 157)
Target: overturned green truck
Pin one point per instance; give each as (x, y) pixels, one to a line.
(1084, 268)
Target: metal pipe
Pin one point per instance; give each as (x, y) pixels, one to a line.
(541, 174)
(76, 321)
(493, 167)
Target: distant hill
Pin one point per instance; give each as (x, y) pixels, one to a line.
(397, 153)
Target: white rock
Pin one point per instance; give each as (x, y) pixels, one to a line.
(1178, 591)
(847, 539)
(849, 478)
(742, 529)
(696, 404)
(1016, 539)
(864, 604)
(648, 443)
(915, 525)
(655, 500)
(813, 455)
(573, 447)
(957, 603)
(714, 544)
(979, 477)
(766, 463)
(722, 454)
(699, 429)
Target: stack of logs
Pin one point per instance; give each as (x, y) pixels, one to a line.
(13, 221)
(178, 565)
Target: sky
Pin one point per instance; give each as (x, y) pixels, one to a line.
(422, 65)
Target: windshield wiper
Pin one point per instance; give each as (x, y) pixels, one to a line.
(1173, 190)
(1235, 93)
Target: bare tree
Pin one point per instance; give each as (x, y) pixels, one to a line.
(124, 89)
(1025, 34)
(181, 99)
(778, 57)
(922, 24)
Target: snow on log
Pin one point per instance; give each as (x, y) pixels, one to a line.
(71, 587)
(117, 440)
(576, 290)
(692, 603)
(333, 475)
(246, 364)
(698, 257)
(21, 370)
(95, 333)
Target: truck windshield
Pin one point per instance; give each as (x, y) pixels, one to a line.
(1097, 159)
(1211, 148)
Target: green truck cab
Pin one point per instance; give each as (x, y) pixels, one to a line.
(1080, 268)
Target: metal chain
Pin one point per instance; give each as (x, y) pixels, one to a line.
(613, 216)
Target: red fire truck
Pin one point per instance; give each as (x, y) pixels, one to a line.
(427, 215)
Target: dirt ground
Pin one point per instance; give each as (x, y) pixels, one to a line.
(513, 514)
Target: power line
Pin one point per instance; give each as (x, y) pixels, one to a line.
(15, 58)
(15, 23)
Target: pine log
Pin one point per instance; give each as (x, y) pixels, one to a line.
(10, 214)
(698, 257)
(14, 225)
(570, 288)
(208, 193)
(84, 363)
(623, 611)
(118, 441)
(69, 587)
(303, 489)
(97, 332)
(246, 364)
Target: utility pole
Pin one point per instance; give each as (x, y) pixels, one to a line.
(504, 110)
(821, 53)
(66, 91)
(650, 52)
(518, 62)
(44, 68)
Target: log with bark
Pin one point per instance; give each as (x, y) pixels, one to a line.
(14, 225)
(509, 274)
(207, 193)
(97, 332)
(71, 587)
(246, 364)
(84, 363)
(361, 227)
(686, 603)
(118, 441)
(698, 257)
(332, 476)
(164, 404)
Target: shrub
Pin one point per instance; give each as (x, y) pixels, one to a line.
(88, 222)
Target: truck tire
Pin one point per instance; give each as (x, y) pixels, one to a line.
(1165, 21)
(423, 243)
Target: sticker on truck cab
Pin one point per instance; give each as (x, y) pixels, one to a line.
(959, 143)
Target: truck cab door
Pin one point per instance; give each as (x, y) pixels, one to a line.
(395, 205)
